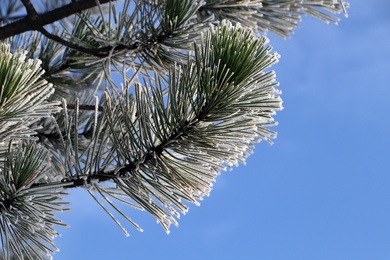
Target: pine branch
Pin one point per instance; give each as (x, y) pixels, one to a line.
(129, 168)
(27, 211)
(159, 147)
(85, 107)
(278, 16)
(30, 9)
(23, 95)
(32, 13)
(70, 44)
(30, 23)
(206, 98)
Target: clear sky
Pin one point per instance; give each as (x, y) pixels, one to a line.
(321, 192)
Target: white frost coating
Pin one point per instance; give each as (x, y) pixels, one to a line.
(28, 102)
(35, 208)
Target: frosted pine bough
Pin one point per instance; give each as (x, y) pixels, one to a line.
(199, 97)
(170, 147)
(23, 96)
(278, 16)
(26, 210)
(220, 103)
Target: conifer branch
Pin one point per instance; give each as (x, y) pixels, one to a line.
(194, 96)
(30, 23)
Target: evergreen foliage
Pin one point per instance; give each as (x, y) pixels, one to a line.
(142, 103)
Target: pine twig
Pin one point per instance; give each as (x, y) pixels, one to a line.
(28, 23)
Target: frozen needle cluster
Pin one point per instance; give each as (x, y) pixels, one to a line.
(141, 103)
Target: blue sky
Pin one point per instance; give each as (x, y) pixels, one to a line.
(322, 191)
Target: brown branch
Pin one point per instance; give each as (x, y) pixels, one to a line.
(35, 21)
(31, 23)
(128, 169)
(32, 13)
(30, 8)
(124, 171)
(84, 107)
(68, 44)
